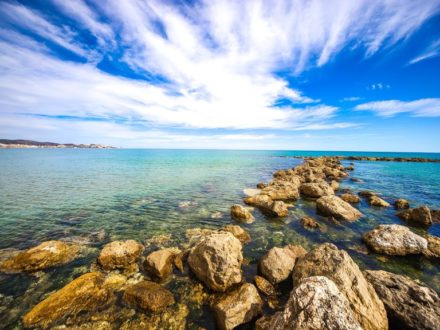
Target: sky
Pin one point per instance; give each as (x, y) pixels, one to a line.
(292, 75)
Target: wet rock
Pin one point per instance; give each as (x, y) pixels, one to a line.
(216, 261)
(120, 255)
(115, 281)
(267, 205)
(433, 250)
(160, 263)
(435, 215)
(241, 213)
(239, 233)
(158, 240)
(327, 260)
(409, 305)
(283, 190)
(420, 216)
(47, 254)
(85, 294)
(261, 185)
(367, 193)
(280, 209)
(251, 191)
(277, 264)
(349, 168)
(264, 286)
(394, 240)
(310, 223)
(401, 204)
(350, 198)
(334, 185)
(238, 307)
(336, 207)
(316, 190)
(316, 303)
(357, 180)
(148, 296)
(377, 201)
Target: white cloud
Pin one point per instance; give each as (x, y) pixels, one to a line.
(351, 99)
(433, 50)
(418, 108)
(378, 86)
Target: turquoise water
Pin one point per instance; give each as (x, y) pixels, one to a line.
(61, 193)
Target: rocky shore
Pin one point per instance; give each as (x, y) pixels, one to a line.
(380, 159)
(134, 285)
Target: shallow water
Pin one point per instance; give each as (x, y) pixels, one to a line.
(56, 193)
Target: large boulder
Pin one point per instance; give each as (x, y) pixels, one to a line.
(148, 296)
(241, 234)
(419, 216)
(409, 305)
(160, 263)
(350, 198)
(241, 214)
(237, 307)
(283, 190)
(327, 260)
(120, 255)
(216, 261)
(395, 240)
(45, 255)
(316, 303)
(85, 294)
(316, 189)
(336, 207)
(268, 205)
(277, 264)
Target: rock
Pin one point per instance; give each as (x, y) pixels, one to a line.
(277, 264)
(350, 198)
(316, 189)
(216, 261)
(160, 263)
(419, 216)
(238, 307)
(334, 185)
(435, 215)
(85, 294)
(280, 209)
(148, 296)
(367, 193)
(394, 240)
(357, 180)
(401, 204)
(316, 303)
(283, 190)
(377, 201)
(261, 185)
(251, 191)
(336, 207)
(310, 223)
(239, 233)
(409, 304)
(264, 286)
(267, 205)
(120, 254)
(433, 246)
(241, 213)
(349, 168)
(327, 260)
(47, 254)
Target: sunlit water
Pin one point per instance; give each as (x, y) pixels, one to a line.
(136, 194)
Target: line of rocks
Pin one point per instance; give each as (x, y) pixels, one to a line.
(377, 159)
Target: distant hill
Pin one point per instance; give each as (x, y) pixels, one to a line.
(5, 143)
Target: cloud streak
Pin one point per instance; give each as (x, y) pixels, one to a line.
(418, 108)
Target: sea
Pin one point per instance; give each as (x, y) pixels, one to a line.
(80, 194)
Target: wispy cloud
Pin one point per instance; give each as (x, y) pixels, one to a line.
(418, 108)
(378, 86)
(433, 50)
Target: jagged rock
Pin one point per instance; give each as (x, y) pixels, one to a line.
(239, 233)
(267, 205)
(148, 296)
(409, 305)
(264, 286)
(310, 223)
(401, 204)
(280, 209)
(216, 261)
(120, 254)
(283, 190)
(327, 260)
(238, 307)
(85, 294)
(350, 198)
(377, 201)
(277, 264)
(395, 240)
(316, 189)
(336, 207)
(241, 213)
(47, 254)
(419, 216)
(316, 303)
(160, 263)
(433, 246)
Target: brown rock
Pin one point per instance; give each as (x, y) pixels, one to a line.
(148, 296)
(401, 204)
(120, 254)
(310, 223)
(160, 263)
(433, 246)
(241, 213)
(316, 189)
(283, 190)
(239, 233)
(377, 201)
(334, 185)
(350, 198)
(420, 216)
(327, 260)
(264, 286)
(366, 193)
(261, 185)
(336, 207)
(267, 205)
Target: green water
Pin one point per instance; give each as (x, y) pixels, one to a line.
(136, 194)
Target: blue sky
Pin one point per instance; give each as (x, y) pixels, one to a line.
(304, 74)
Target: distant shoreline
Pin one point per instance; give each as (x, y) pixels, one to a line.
(28, 144)
(378, 159)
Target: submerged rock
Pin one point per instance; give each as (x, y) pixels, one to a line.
(239, 233)
(316, 303)
(377, 201)
(251, 191)
(336, 207)
(237, 307)
(327, 260)
(241, 213)
(267, 205)
(85, 294)
(47, 254)
(366, 193)
(316, 189)
(148, 296)
(216, 261)
(120, 255)
(277, 264)
(350, 198)
(160, 263)
(395, 240)
(409, 304)
(401, 204)
(310, 223)
(420, 216)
